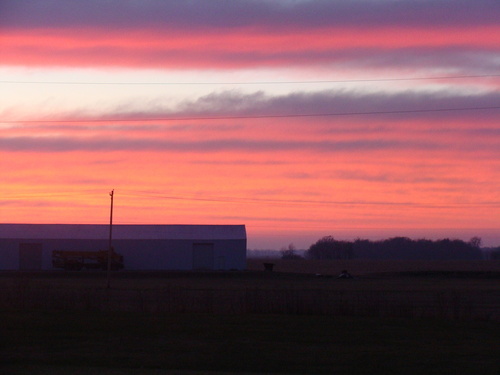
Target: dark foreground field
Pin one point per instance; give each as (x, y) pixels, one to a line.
(131, 343)
(392, 319)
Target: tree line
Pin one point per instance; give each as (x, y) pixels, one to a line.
(398, 248)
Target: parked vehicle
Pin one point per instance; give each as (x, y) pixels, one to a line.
(75, 260)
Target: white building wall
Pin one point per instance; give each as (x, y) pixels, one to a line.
(154, 253)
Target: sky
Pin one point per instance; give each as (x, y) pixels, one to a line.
(298, 118)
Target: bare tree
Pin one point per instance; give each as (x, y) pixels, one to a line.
(290, 252)
(476, 242)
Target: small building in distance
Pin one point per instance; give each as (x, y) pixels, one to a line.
(143, 247)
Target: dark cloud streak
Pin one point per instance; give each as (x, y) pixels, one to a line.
(213, 111)
(68, 144)
(465, 58)
(230, 14)
(231, 103)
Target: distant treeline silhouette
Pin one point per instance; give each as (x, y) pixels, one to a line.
(399, 248)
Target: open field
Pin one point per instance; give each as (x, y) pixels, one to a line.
(361, 267)
(133, 343)
(445, 290)
(392, 318)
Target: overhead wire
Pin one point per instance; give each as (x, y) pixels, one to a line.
(255, 82)
(289, 115)
(240, 117)
(236, 117)
(228, 199)
(231, 199)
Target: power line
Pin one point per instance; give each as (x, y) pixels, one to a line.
(246, 200)
(254, 82)
(153, 195)
(289, 115)
(90, 193)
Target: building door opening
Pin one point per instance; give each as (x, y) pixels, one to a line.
(203, 256)
(30, 256)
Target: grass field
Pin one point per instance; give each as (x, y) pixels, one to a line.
(393, 318)
(151, 343)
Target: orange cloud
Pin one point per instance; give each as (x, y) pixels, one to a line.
(246, 47)
(290, 165)
(291, 184)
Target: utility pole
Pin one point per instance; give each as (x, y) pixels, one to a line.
(110, 247)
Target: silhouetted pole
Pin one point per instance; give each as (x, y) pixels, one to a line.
(110, 247)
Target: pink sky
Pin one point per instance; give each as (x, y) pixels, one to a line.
(299, 119)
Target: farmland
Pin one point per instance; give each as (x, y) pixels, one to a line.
(392, 317)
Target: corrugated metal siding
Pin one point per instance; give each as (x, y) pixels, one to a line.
(122, 232)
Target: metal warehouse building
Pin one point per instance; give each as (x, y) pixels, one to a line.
(143, 247)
